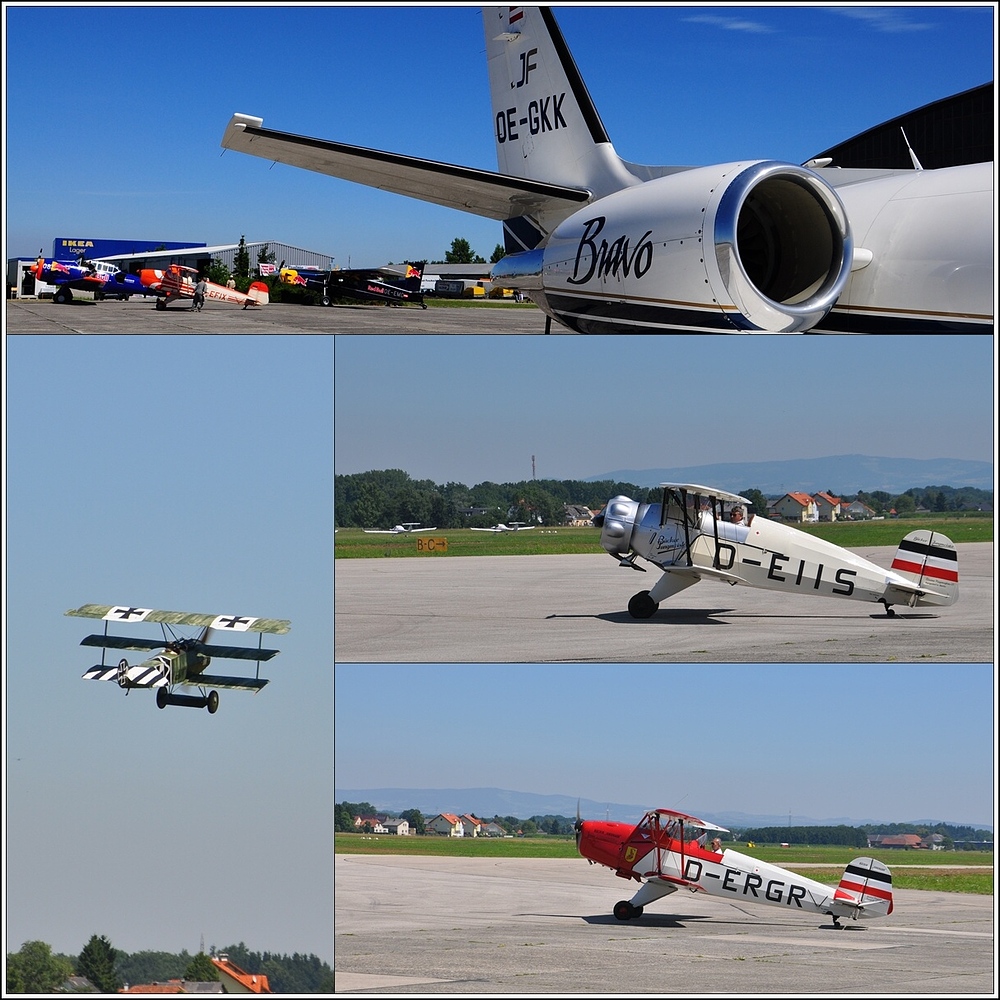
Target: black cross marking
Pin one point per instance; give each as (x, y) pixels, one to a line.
(127, 613)
(232, 622)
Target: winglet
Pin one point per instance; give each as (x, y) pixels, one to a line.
(237, 125)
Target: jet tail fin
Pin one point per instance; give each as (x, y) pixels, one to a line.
(865, 889)
(545, 123)
(928, 560)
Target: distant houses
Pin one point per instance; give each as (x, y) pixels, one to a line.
(441, 825)
(805, 508)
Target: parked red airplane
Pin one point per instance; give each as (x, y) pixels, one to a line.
(178, 282)
(666, 851)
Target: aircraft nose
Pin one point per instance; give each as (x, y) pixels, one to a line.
(617, 522)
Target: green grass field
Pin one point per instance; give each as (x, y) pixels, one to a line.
(353, 543)
(944, 871)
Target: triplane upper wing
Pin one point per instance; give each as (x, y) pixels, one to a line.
(232, 623)
(182, 660)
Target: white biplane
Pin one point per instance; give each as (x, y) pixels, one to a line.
(699, 533)
(183, 661)
(667, 851)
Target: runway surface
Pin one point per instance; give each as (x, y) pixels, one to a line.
(533, 609)
(531, 926)
(140, 316)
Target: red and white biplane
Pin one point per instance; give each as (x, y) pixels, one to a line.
(178, 282)
(666, 851)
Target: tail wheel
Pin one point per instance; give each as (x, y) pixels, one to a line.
(213, 702)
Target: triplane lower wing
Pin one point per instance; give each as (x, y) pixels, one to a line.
(183, 661)
(667, 851)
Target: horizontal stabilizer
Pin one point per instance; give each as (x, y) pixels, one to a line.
(240, 683)
(226, 623)
(482, 192)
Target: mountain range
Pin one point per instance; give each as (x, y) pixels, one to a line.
(845, 474)
(488, 802)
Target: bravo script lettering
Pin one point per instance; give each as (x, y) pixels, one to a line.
(616, 259)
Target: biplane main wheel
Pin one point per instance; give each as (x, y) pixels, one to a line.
(62, 296)
(624, 910)
(213, 702)
(161, 697)
(161, 304)
(642, 605)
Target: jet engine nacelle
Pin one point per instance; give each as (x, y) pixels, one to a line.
(748, 246)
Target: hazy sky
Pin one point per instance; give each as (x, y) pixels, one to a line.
(891, 742)
(113, 121)
(188, 474)
(475, 409)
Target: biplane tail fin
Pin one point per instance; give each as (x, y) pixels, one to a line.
(865, 889)
(929, 561)
(259, 294)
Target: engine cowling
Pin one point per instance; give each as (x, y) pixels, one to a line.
(738, 247)
(618, 521)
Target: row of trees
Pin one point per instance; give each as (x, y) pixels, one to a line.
(847, 836)
(382, 498)
(35, 968)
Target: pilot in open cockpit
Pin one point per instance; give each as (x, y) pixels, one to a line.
(738, 515)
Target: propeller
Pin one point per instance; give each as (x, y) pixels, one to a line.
(578, 826)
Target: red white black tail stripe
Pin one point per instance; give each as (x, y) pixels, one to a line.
(922, 555)
(866, 883)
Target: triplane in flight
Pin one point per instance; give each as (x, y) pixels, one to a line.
(666, 851)
(697, 532)
(183, 661)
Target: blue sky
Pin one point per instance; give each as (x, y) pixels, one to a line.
(189, 474)
(475, 409)
(114, 115)
(890, 742)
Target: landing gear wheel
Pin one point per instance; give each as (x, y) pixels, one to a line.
(624, 910)
(642, 605)
(161, 304)
(62, 296)
(325, 300)
(213, 702)
(161, 697)
(890, 611)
